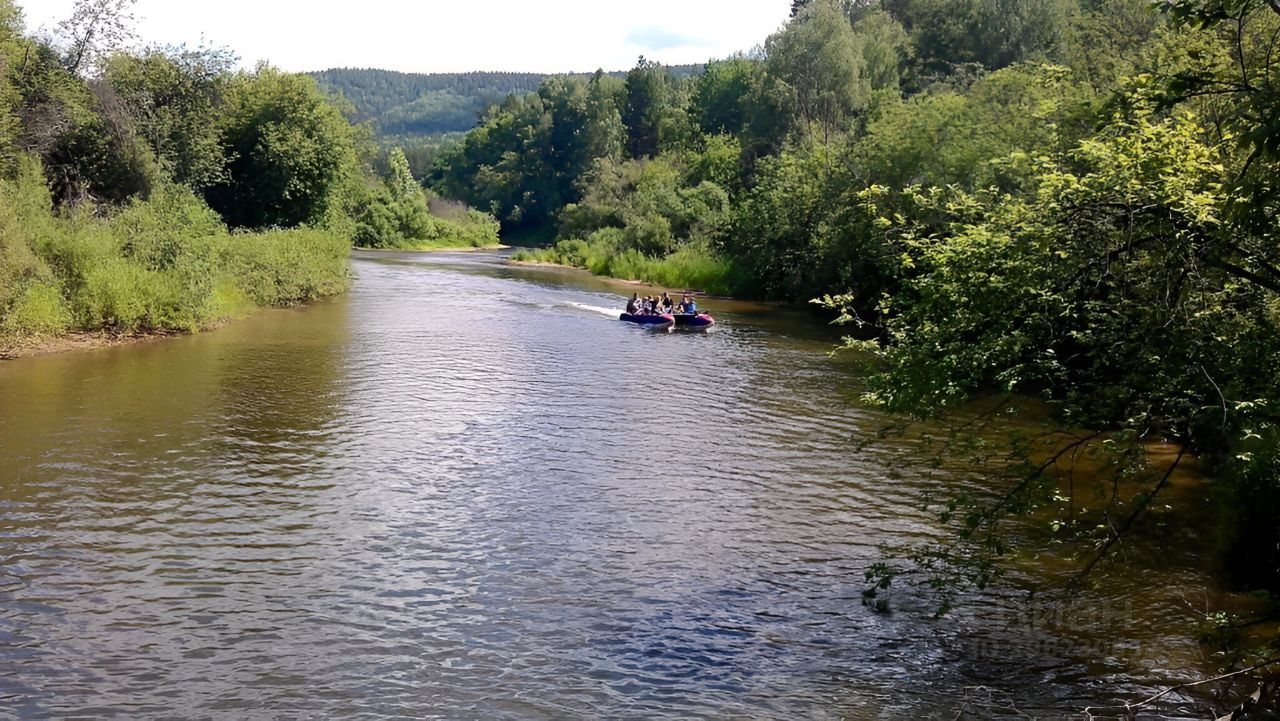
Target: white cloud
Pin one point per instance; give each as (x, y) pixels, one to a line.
(440, 36)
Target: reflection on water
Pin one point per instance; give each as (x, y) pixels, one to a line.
(464, 491)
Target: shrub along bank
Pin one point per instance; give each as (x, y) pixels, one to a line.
(167, 264)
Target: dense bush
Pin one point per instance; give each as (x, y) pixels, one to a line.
(605, 252)
(650, 219)
(111, 162)
(396, 213)
(165, 264)
(287, 267)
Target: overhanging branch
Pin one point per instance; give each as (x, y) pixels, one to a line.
(1244, 273)
(1118, 534)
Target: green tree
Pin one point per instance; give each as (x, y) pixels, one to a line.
(289, 151)
(395, 213)
(170, 94)
(10, 99)
(1112, 39)
(796, 232)
(526, 158)
(885, 48)
(605, 134)
(771, 116)
(1241, 89)
(720, 101)
(647, 88)
(1118, 290)
(977, 139)
(400, 180)
(818, 58)
(991, 34)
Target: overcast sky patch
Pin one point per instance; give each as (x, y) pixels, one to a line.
(652, 37)
(551, 36)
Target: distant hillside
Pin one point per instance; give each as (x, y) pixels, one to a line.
(413, 106)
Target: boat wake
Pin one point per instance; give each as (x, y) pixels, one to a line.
(602, 310)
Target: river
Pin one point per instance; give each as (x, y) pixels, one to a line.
(464, 490)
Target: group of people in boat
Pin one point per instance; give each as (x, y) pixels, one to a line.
(657, 305)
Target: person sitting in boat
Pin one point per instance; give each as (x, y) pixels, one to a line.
(633, 305)
(688, 306)
(664, 304)
(647, 307)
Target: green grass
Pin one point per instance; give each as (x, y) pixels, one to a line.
(451, 246)
(164, 265)
(693, 265)
(409, 225)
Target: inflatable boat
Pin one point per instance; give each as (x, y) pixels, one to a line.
(693, 320)
(658, 321)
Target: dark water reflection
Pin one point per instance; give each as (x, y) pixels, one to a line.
(464, 491)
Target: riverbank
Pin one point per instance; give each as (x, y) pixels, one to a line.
(93, 340)
(632, 284)
(161, 267)
(82, 341)
(693, 265)
(437, 248)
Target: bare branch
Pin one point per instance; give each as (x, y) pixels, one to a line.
(1129, 707)
(95, 28)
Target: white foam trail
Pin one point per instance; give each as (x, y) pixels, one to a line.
(596, 309)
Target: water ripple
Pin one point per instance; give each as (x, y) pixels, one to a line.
(460, 492)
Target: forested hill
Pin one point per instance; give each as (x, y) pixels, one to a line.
(409, 105)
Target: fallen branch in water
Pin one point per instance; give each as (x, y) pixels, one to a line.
(1129, 708)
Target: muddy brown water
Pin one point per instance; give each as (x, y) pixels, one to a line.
(465, 490)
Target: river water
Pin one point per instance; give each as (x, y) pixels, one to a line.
(465, 490)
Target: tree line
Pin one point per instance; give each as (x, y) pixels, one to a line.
(401, 102)
(420, 113)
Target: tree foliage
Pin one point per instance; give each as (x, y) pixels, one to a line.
(288, 150)
(525, 159)
(170, 94)
(647, 96)
(396, 214)
(819, 59)
(415, 108)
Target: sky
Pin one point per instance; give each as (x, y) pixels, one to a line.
(546, 36)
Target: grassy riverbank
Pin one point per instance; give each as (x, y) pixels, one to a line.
(156, 267)
(692, 266)
(437, 248)
(162, 190)
(412, 227)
